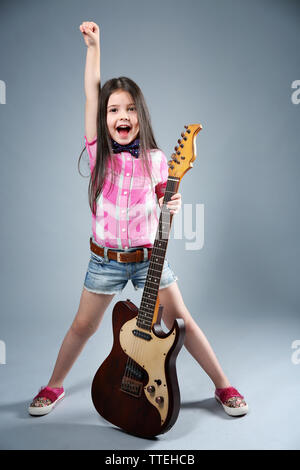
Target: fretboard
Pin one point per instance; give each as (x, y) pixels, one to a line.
(156, 263)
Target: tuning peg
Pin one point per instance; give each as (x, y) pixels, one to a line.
(175, 148)
(186, 127)
(182, 134)
(179, 141)
(189, 131)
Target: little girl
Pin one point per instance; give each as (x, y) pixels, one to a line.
(128, 173)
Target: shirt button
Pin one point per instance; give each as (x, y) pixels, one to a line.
(125, 192)
(127, 174)
(126, 247)
(123, 229)
(123, 210)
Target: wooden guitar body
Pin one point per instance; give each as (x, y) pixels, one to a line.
(144, 401)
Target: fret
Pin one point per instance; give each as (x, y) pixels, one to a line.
(159, 256)
(158, 248)
(146, 323)
(159, 252)
(146, 319)
(150, 287)
(148, 306)
(149, 299)
(157, 271)
(144, 314)
(144, 327)
(148, 303)
(147, 316)
(157, 264)
(153, 276)
(157, 241)
(154, 283)
(165, 235)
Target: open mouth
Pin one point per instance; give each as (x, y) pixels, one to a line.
(123, 130)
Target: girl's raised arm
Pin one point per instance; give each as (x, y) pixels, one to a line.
(91, 36)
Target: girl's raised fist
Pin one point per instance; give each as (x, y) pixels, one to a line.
(90, 32)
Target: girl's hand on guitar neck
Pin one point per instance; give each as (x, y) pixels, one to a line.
(174, 204)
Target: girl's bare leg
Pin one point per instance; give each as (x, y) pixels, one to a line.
(89, 315)
(195, 340)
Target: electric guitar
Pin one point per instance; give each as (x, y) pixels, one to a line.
(136, 387)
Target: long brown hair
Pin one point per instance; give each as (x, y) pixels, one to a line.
(104, 147)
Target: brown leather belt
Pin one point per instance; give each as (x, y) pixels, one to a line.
(121, 256)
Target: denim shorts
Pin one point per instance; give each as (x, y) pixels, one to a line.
(107, 276)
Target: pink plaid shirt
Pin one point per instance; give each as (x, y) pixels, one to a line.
(126, 215)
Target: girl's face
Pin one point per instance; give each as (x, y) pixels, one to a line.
(122, 119)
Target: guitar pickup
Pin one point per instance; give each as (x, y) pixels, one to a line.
(142, 334)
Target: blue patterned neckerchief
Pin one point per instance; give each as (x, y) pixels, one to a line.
(133, 147)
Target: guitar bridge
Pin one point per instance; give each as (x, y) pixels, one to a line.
(131, 386)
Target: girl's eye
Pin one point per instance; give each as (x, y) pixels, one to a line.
(131, 108)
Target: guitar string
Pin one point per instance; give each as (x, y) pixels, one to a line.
(137, 343)
(132, 368)
(129, 360)
(157, 251)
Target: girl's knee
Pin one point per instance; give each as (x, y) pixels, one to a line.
(83, 328)
(169, 317)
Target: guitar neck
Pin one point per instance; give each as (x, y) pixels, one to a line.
(156, 263)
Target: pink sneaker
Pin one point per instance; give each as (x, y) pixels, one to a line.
(232, 401)
(45, 400)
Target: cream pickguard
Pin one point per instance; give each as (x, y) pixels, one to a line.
(150, 355)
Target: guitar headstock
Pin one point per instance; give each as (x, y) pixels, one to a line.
(185, 154)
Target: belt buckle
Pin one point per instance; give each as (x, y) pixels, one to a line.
(119, 257)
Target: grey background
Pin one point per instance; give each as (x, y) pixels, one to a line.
(225, 64)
